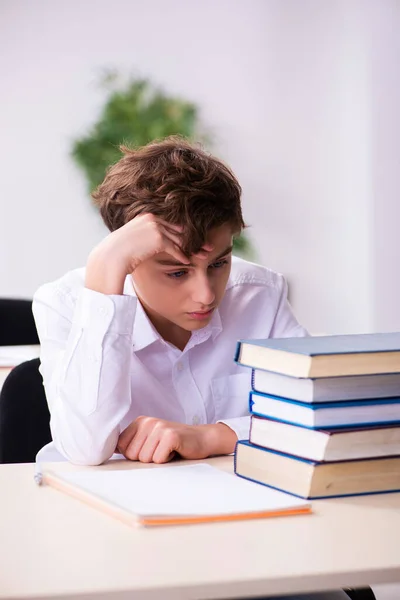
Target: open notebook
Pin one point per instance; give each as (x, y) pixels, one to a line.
(174, 495)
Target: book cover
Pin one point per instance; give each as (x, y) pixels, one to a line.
(331, 344)
(323, 356)
(322, 415)
(323, 405)
(325, 445)
(326, 389)
(314, 480)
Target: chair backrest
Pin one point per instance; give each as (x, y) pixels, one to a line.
(24, 414)
(17, 325)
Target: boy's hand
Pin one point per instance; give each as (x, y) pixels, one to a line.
(124, 249)
(154, 440)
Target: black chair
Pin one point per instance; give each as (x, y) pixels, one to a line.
(364, 593)
(17, 325)
(24, 414)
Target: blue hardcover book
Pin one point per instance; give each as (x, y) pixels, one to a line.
(322, 415)
(327, 389)
(314, 480)
(342, 443)
(323, 356)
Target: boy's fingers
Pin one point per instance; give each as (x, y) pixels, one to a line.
(201, 254)
(172, 236)
(175, 251)
(132, 439)
(134, 448)
(149, 447)
(163, 452)
(204, 251)
(174, 228)
(171, 232)
(173, 247)
(126, 436)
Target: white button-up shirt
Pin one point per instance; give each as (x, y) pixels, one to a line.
(104, 364)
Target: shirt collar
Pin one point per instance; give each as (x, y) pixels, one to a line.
(144, 332)
(213, 329)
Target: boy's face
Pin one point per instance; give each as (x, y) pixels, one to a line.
(180, 297)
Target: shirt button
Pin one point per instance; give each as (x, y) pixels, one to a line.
(179, 366)
(196, 420)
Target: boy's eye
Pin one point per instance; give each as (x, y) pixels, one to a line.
(219, 264)
(177, 274)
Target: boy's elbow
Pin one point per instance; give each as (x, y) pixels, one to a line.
(88, 460)
(91, 456)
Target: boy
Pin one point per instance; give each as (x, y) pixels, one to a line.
(137, 349)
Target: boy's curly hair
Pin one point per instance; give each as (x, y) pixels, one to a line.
(176, 181)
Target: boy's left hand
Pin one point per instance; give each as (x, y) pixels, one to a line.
(148, 439)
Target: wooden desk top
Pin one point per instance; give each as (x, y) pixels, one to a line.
(52, 545)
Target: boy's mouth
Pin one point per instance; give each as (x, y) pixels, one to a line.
(201, 314)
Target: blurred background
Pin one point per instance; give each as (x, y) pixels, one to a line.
(300, 97)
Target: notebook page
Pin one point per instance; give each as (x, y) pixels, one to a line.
(186, 491)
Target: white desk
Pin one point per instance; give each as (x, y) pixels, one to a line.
(52, 545)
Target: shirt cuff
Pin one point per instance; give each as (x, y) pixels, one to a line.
(112, 313)
(240, 425)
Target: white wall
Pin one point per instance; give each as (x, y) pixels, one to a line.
(286, 86)
(310, 180)
(385, 72)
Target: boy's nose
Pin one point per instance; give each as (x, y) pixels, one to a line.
(203, 292)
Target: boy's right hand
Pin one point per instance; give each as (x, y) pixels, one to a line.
(123, 250)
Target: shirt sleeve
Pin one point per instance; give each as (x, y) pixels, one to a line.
(285, 323)
(86, 353)
(240, 425)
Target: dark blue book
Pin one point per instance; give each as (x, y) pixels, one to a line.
(323, 356)
(326, 415)
(312, 480)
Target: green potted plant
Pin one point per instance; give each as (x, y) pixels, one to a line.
(135, 112)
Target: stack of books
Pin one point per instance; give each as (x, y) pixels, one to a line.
(325, 414)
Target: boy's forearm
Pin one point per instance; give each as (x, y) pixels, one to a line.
(104, 275)
(220, 439)
(85, 410)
